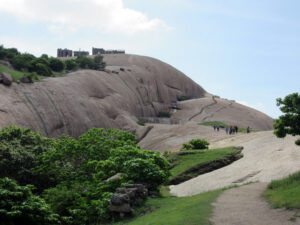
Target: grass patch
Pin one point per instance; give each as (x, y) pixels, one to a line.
(285, 193)
(16, 75)
(186, 160)
(192, 210)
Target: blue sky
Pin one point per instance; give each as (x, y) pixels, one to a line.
(248, 51)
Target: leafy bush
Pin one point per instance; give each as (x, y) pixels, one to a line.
(19, 206)
(141, 123)
(23, 61)
(71, 64)
(85, 63)
(195, 144)
(72, 173)
(182, 98)
(42, 69)
(297, 142)
(164, 114)
(18, 150)
(56, 65)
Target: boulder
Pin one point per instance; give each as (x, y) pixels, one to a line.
(25, 80)
(119, 199)
(114, 177)
(6, 79)
(125, 208)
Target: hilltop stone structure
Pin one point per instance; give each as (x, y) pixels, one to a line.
(101, 51)
(81, 53)
(64, 52)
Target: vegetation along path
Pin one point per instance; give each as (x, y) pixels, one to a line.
(246, 206)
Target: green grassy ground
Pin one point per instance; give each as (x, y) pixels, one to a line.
(185, 162)
(14, 73)
(192, 210)
(221, 124)
(285, 193)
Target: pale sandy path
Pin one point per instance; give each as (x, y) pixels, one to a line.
(246, 206)
(266, 157)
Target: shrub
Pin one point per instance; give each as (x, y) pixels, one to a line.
(71, 64)
(23, 62)
(297, 142)
(56, 65)
(182, 98)
(42, 69)
(164, 114)
(18, 150)
(141, 123)
(19, 206)
(85, 63)
(195, 144)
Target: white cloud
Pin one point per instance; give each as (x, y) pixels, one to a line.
(109, 16)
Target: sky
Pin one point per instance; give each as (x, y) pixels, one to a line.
(242, 50)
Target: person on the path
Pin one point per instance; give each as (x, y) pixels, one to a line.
(215, 127)
(248, 130)
(236, 129)
(218, 127)
(227, 130)
(230, 130)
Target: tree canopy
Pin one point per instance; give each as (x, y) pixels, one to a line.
(289, 122)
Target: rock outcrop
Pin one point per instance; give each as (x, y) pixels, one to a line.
(125, 199)
(131, 88)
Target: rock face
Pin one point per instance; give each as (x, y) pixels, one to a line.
(87, 98)
(131, 88)
(6, 79)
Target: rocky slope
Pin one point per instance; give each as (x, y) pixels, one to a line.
(133, 87)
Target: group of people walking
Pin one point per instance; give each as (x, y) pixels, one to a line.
(230, 130)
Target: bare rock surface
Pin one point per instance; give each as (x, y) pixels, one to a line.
(266, 158)
(140, 87)
(246, 206)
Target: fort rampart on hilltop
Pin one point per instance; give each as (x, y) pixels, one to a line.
(95, 51)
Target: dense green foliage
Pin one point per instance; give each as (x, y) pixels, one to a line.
(195, 144)
(18, 150)
(285, 192)
(19, 206)
(195, 210)
(47, 66)
(71, 174)
(289, 123)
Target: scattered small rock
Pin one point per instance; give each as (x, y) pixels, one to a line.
(25, 79)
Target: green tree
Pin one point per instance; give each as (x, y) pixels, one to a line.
(56, 65)
(19, 206)
(289, 123)
(23, 62)
(71, 64)
(18, 150)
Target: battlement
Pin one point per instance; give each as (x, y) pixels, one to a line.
(95, 51)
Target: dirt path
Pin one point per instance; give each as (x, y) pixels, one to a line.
(246, 206)
(266, 158)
